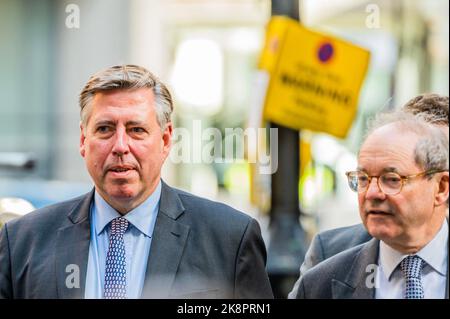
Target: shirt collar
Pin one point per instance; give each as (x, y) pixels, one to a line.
(142, 217)
(434, 253)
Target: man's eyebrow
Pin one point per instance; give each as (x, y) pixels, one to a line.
(104, 122)
(390, 169)
(109, 122)
(131, 123)
(385, 170)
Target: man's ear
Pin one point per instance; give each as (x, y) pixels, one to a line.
(82, 140)
(442, 189)
(167, 139)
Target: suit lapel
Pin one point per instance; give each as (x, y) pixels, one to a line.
(353, 285)
(168, 242)
(72, 251)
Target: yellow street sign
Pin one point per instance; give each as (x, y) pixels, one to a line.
(315, 78)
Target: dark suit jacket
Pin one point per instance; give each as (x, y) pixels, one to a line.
(329, 243)
(343, 276)
(200, 249)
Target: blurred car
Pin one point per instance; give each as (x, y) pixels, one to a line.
(40, 192)
(13, 207)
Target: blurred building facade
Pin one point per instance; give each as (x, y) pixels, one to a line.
(207, 50)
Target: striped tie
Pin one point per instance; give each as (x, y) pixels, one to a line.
(115, 272)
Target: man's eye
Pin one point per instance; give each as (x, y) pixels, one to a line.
(103, 129)
(362, 179)
(137, 130)
(391, 179)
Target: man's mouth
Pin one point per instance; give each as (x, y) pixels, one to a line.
(377, 212)
(120, 170)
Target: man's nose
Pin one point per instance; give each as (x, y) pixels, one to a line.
(120, 146)
(373, 190)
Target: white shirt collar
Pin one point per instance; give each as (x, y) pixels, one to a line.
(434, 254)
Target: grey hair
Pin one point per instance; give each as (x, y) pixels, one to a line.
(127, 77)
(432, 149)
(433, 107)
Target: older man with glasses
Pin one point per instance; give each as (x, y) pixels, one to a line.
(434, 108)
(402, 184)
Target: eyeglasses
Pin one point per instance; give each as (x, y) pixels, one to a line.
(389, 183)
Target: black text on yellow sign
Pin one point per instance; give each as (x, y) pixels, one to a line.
(315, 79)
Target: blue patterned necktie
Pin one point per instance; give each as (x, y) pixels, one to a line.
(115, 272)
(412, 270)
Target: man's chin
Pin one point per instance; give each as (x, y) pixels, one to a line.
(121, 193)
(381, 232)
(123, 196)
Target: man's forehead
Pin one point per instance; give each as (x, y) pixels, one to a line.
(126, 96)
(119, 101)
(390, 146)
(392, 134)
(122, 105)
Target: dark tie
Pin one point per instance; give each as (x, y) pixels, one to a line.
(115, 272)
(412, 270)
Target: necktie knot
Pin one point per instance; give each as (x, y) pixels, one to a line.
(119, 226)
(412, 270)
(412, 266)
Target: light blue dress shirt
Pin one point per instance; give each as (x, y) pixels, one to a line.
(390, 282)
(137, 238)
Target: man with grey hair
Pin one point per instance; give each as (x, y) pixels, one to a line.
(132, 236)
(433, 108)
(402, 183)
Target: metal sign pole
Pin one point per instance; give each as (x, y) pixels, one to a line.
(287, 245)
